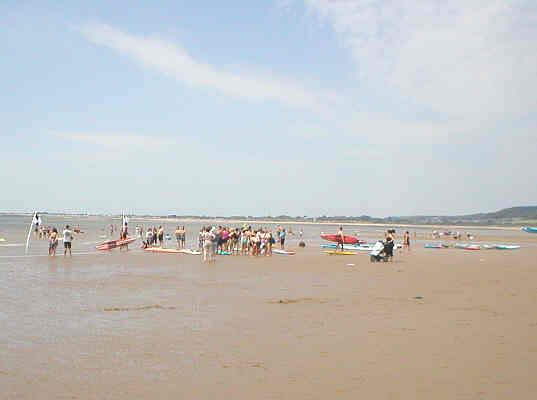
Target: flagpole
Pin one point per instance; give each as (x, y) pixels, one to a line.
(30, 232)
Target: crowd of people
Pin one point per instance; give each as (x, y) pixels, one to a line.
(244, 241)
(214, 240)
(455, 235)
(45, 232)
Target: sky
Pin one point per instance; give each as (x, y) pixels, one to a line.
(296, 107)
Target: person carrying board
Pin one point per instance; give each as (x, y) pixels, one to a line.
(340, 238)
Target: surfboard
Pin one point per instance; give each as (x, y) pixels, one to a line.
(284, 252)
(346, 239)
(506, 247)
(340, 253)
(114, 243)
(161, 250)
(189, 251)
(436, 246)
(351, 247)
(529, 229)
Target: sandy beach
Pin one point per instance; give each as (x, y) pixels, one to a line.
(146, 144)
(442, 324)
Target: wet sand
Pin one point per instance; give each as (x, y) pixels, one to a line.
(433, 324)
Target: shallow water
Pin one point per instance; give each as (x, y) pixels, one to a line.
(46, 298)
(91, 325)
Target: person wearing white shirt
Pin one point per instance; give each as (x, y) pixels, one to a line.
(67, 239)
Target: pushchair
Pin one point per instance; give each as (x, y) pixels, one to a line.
(379, 252)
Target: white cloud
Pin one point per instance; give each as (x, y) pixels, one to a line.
(174, 61)
(459, 57)
(382, 129)
(119, 141)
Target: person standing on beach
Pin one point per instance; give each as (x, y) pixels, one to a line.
(154, 236)
(209, 241)
(37, 222)
(161, 236)
(340, 238)
(244, 241)
(149, 237)
(183, 236)
(282, 239)
(53, 242)
(201, 238)
(178, 236)
(67, 240)
(215, 238)
(406, 241)
(268, 243)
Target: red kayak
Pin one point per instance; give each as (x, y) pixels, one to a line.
(114, 243)
(346, 239)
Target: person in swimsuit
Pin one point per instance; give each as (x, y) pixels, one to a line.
(268, 243)
(254, 243)
(406, 241)
(161, 236)
(178, 237)
(340, 238)
(244, 242)
(183, 236)
(388, 248)
(200, 238)
(53, 242)
(154, 236)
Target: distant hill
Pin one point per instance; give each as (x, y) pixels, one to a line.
(514, 216)
(528, 212)
(506, 216)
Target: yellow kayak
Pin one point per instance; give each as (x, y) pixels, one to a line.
(341, 253)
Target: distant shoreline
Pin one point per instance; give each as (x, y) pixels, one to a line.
(230, 221)
(286, 222)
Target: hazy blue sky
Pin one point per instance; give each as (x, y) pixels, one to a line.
(308, 107)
